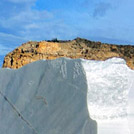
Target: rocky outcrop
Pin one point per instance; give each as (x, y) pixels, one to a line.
(77, 48)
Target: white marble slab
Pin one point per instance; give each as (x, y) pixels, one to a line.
(110, 95)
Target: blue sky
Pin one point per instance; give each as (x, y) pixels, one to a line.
(110, 21)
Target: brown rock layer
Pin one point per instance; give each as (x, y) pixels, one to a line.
(78, 48)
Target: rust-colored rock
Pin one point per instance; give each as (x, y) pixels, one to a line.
(77, 48)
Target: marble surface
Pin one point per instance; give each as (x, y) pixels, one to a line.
(45, 97)
(110, 95)
(66, 96)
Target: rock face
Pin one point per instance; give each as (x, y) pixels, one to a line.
(45, 97)
(77, 48)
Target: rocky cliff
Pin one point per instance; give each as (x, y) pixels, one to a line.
(77, 48)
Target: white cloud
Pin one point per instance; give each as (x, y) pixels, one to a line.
(9, 36)
(8, 42)
(23, 23)
(4, 49)
(32, 24)
(24, 18)
(10, 39)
